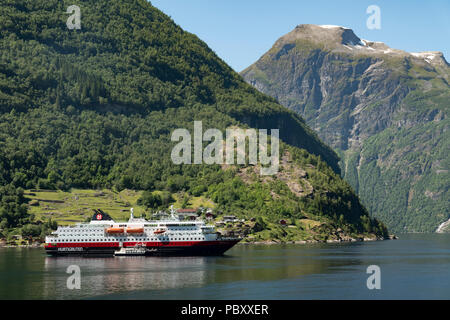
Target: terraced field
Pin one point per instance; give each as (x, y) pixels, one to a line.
(76, 206)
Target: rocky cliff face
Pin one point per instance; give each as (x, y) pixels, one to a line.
(385, 112)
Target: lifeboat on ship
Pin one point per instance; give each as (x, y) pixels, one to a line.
(159, 231)
(135, 230)
(114, 230)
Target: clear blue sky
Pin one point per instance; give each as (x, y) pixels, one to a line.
(240, 31)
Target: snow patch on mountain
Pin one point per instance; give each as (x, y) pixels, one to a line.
(330, 26)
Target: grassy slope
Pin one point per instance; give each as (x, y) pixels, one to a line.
(76, 205)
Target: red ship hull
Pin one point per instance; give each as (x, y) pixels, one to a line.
(162, 248)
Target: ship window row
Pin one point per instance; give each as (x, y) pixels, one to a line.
(135, 236)
(102, 230)
(73, 229)
(114, 240)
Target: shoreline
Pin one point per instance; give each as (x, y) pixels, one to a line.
(24, 246)
(272, 242)
(266, 242)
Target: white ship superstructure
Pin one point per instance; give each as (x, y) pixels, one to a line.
(102, 235)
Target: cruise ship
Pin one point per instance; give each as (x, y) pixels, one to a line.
(171, 236)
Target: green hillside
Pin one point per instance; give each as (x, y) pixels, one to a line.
(95, 108)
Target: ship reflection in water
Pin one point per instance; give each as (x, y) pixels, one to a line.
(122, 274)
(170, 277)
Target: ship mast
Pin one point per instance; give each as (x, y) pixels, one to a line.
(131, 215)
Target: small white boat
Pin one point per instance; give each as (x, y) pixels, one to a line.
(137, 250)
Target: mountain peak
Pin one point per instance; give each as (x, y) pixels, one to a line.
(432, 57)
(343, 39)
(329, 35)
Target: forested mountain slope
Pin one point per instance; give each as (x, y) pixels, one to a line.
(95, 108)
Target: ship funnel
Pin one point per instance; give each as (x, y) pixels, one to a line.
(99, 215)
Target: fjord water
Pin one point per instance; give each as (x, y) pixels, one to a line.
(417, 266)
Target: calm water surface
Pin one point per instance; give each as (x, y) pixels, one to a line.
(416, 266)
